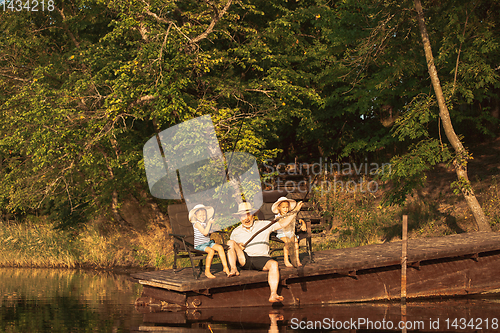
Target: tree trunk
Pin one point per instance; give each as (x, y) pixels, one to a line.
(460, 161)
(114, 197)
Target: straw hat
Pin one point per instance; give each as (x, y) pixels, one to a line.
(208, 209)
(244, 208)
(275, 205)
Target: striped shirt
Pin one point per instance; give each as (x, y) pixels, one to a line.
(200, 238)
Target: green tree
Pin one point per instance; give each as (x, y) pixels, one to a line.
(388, 63)
(460, 161)
(83, 87)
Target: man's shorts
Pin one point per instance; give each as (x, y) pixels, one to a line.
(203, 246)
(255, 263)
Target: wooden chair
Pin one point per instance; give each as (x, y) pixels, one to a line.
(183, 235)
(265, 213)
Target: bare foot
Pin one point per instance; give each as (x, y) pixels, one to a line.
(209, 275)
(228, 273)
(297, 262)
(288, 264)
(235, 273)
(275, 298)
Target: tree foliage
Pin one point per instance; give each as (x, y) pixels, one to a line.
(83, 87)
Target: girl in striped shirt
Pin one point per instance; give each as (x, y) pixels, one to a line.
(202, 242)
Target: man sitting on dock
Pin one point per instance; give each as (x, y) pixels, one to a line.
(255, 255)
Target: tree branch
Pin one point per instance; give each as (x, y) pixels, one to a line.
(66, 28)
(15, 78)
(163, 20)
(217, 16)
(143, 99)
(458, 56)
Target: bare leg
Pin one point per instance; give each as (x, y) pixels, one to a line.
(274, 317)
(297, 252)
(222, 256)
(286, 252)
(232, 255)
(210, 257)
(273, 278)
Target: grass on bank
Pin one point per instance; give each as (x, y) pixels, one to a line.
(38, 243)
(354, 218)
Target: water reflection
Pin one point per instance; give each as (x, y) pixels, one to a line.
(52, 300)
(472, 315)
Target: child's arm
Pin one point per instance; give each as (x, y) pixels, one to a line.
(287, 220)
(205, 231)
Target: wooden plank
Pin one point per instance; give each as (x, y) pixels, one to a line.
(189, 283)
(305, 214)
(299, 196)
(163, 284)
(166, 329)
(165, 295)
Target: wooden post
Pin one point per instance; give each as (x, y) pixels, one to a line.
(404, 258)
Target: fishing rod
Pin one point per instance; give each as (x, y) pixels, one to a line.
(226, 171)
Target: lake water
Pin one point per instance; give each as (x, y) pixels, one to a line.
(55, 300)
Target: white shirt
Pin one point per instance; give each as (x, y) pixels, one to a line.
(259, 246)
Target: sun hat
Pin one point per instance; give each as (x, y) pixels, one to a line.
(208, 209)
(245, 207)
(275, 205)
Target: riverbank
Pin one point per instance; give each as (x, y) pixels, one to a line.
(352, 219)
(38, 242)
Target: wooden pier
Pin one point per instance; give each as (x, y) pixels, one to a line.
(464, 264)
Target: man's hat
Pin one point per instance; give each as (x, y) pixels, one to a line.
(208, 209)
(275, 205)
(244, 208)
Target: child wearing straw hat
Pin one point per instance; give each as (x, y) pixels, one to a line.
(202, 219)
(287, 234)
